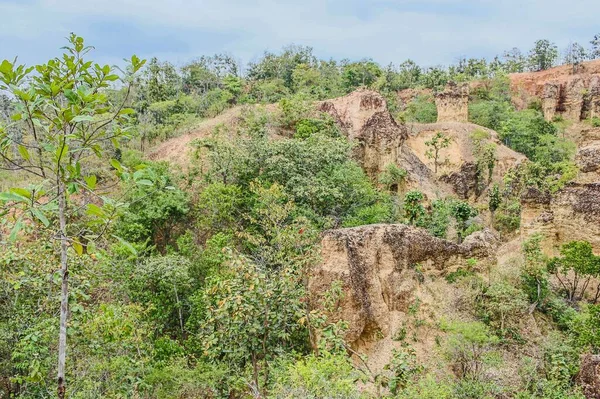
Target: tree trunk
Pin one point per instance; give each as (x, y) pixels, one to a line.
(64, 295)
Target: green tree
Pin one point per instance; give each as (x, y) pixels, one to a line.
(506, 304)
(362, 73)
(469, 346)
(462, 212)
(514, 61)
(574, 55)
(494, 199)
(437, 143)
(64, 116)
(575, 269)
(248, 317)
(594, 52)
(542, 56)
(414, 212)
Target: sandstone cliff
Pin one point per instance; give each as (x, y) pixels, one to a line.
(364, 118)
(453, 103)
(379, 267)
(458, 161)
(571, 214)
(572, 94)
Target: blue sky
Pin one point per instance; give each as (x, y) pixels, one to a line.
(429, 31)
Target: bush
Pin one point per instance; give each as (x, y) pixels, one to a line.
(469, 347)
(315, 377)
(421, 109)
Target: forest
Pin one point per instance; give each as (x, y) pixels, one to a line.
(124, 274)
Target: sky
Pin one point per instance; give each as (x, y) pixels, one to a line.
(431, 32)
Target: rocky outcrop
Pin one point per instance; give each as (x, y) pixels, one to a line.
(550, 99)
(588, 161)
(588, 377)
(571, 214)
(453, 103)
(378, 266)
(464, 181)
(457, 164)
(364, 117)
(571, 103)
(564, 91)
(594, 97)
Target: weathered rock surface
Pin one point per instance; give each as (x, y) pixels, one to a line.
(364, 117)
(572, 94)
(571, 214)
(588, 161)
(378, 266)
(457, 162)
(589, 376)
(453, 103)
(550, 98)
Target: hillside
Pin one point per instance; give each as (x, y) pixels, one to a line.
(300, 228)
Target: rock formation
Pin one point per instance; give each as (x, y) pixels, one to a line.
(378, 265)
(588, 161)
(571, 214)
(364, 117)
(550, 99)
(453, 103)
(594, 97)
(574, 95)
(572, 100)
(589, 376)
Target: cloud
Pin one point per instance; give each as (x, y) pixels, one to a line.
(428, 31)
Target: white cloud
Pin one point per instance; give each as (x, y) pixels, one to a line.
(429, 31)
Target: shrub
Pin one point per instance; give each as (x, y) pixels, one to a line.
(313, 377)
(421, 109)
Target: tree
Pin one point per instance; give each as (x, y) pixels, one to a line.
(362, 73)
(414, 212)
(542, 56)
(65, 117)
(469, 347)
(574, 55)
(437, 143)
(462, 212)
(159, 82)
(494, 199)
(595, 47)
(514, 61)
(575, 268)
(505, 303)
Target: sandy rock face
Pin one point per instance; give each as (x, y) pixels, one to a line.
(588, 160)
(364, 117)
(571, 214)
(453, 103)
(550, 99)
(571, 93)
(378, 267)
(589, 376)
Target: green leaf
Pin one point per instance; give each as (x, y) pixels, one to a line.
(144, 182)
(77, 247)
(116, 164)
(127, 245)
(90, 181)
(12, 197)
(15, 230)
(24, 153)
(95, 210)
(41, 217)
(21, 191)
(82, 118)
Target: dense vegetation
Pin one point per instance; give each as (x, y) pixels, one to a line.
(192, 282)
